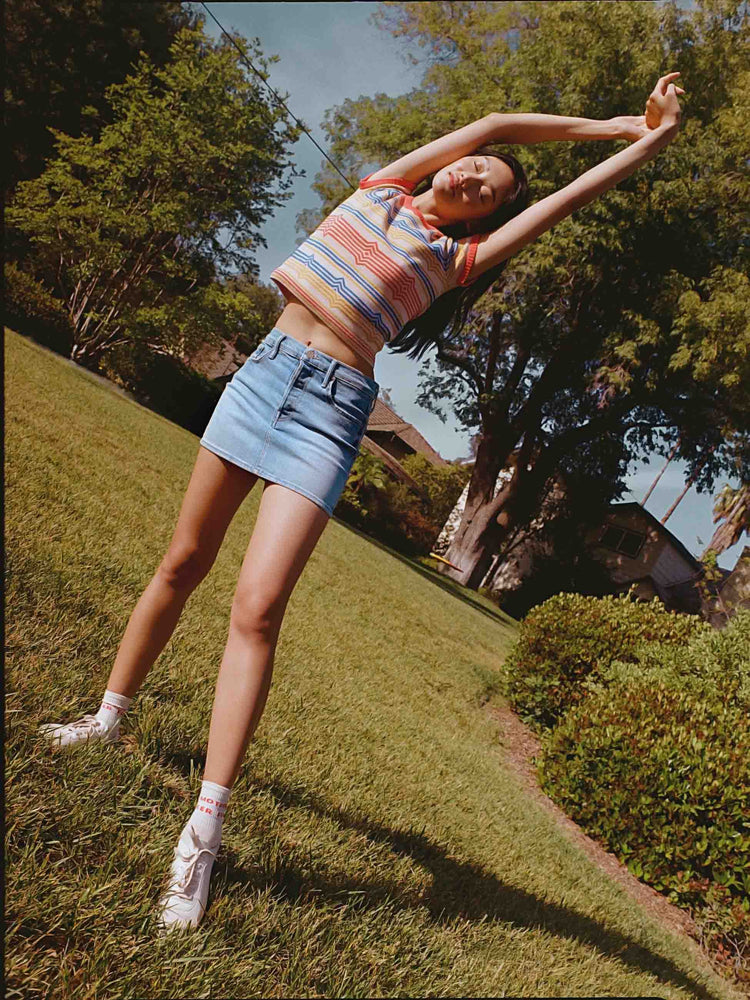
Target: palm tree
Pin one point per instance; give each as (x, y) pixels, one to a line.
(732, 511)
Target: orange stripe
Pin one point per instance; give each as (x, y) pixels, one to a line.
(402, 286)
(399, 181)
(415, 248)
(469, 262)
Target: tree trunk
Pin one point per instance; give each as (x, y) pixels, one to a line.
(672, 509)
(733, 521)
(474, 544)
(663, 470)
(688, 484)
(480, 532)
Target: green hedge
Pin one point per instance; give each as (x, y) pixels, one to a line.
(391, 511)
(31, 310)
(571, 638)
(655, 764)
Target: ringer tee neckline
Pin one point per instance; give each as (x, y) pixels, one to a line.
(409, 202)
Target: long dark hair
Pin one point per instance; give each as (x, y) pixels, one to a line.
(448, 313)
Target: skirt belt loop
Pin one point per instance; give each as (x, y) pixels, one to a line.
(275, 347)
(329, 372)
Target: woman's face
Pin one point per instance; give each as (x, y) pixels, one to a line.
(471, 187)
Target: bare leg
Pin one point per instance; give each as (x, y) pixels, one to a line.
(286, 532)
(214, 494)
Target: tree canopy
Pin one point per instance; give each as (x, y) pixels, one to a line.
(623, 330)
(61, 57)
(134, 228)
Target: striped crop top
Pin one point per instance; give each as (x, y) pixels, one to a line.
(374, 264)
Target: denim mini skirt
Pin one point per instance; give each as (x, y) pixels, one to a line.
(295, 416)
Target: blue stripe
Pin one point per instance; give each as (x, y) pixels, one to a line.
(412, 261)
(339, 286)
(382, 301)
(411, 223)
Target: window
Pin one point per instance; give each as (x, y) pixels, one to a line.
(629, 543)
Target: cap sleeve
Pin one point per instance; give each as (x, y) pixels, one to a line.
(462, 254)
(396, 182)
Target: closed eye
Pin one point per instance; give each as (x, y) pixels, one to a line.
(481, 193)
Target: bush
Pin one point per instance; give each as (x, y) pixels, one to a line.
(442, 485)
(164, 384)
(714, 666)
(31, 310)
(654, 764)
(391, 511)
(570, 638)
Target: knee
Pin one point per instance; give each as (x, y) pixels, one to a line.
(257, 614)
(184, 566)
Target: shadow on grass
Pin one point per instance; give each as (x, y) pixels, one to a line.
(459, 890)
(446, 583)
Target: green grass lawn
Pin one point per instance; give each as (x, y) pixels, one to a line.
(376, 844)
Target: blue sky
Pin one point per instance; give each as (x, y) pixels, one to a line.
(330, 52)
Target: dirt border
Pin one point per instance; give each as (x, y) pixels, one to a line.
(520, 745)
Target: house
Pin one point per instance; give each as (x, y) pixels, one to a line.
(638, 550)
(632, 546)
(398, 437)
(390, 439)
(217, 363)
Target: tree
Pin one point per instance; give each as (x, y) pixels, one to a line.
(267, 304)
(732, 512)
(61, 57)
(625, 330)
(133, 229)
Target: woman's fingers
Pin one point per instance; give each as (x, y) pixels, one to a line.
(664, 81)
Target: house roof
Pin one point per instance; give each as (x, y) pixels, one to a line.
(384, 419)
(673, 539)
(218, 363)
(393, 464)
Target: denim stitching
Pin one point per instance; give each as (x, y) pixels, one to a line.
(339, 409)
(259, 471)
(285, 397)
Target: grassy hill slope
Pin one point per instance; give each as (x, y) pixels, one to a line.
(376, 843)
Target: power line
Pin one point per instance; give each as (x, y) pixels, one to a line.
(242, 54)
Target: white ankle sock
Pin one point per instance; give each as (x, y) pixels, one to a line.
(112, 709)
(208, 815)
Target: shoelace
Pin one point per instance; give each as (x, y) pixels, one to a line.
(85, 722)
(183, 880)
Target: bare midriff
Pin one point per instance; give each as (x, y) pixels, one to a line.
(299, 322)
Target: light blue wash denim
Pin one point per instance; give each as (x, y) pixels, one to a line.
(295, 416)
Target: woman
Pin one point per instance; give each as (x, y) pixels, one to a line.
(385, 266)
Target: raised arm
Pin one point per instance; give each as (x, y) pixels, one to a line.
(521, 128)
(531, 128)
(496, 247)
(495, 127)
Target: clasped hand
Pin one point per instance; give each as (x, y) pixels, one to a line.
(662, 108)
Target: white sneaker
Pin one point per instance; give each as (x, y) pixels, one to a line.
(87, 728)
(184, 902)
